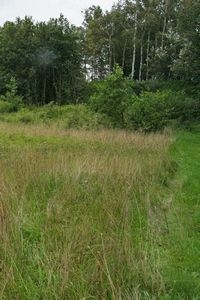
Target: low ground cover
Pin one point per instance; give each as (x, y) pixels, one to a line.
(98, 214)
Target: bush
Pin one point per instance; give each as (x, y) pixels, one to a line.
(80, 116)
(5, 107)
(26, 118)
(153, 111)
(112, 96)
(184, 109)
(191, 89)
(148, 112)
(50, 111)
(148, 106)
(14, 102)
(137, 87)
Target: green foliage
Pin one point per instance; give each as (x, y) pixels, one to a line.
(11, 102)
(66, 116)
(50, 60)
(148, 106)
(187, 64)
(72, 116)
(112, 97)
(116, 102)
(82, 117)
(45, 58)
(138, 87)
(159, 39)
(11, 87)
(26, 118)
(184, 109)
(152, 111)
(148, 111)
(5, 107)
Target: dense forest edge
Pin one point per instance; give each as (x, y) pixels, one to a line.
(135, 66)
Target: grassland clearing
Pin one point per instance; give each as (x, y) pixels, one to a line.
(87, 214)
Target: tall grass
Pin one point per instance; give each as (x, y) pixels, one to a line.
(80, 213)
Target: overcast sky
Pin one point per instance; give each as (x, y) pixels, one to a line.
(42, 10)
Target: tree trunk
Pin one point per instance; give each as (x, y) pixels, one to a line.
(110, 35)
(124, 54)
(134, 47)
(147, 59)
(141, 61)
(60, 88)
(156, 43)
(114, 57)
(164, 25)
(44, 87)
(55, 85)
(110, 53)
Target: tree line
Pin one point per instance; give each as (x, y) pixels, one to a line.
(148, 39)
(45, 59)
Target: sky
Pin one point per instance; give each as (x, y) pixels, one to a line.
(43, 10)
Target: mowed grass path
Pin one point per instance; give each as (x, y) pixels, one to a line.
(182, 250)
(93, 215)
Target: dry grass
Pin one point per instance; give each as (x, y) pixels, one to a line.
(76, 213)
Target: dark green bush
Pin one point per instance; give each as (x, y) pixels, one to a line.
(153, 111)
(148, 106)
(14, 101)
(80, 116)
(5, 107)
(191, 89)
(137, 87)
(50, 111)
(148, 112)
(184, 109)
(112, 96)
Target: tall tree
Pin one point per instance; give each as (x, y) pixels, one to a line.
(187, 64)
(45, 58)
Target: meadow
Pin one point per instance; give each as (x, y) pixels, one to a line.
(100, 152)
(98, 214)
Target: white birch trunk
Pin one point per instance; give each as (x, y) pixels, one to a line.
(147, 59)
(124, 54)
(134, 46)
(110, 52)
(164, 25)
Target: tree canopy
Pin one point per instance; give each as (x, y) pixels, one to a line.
(45, 59)
(148, 39)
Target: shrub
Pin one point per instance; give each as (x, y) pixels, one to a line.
(5, 107)
(184, 108)
(148, 112)
(14, 101)
(190, 89)
(26, 118)
(112, 96)
(80, 116)
(50, 111)
(137, 87)
(153, 111)
(148, 106)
